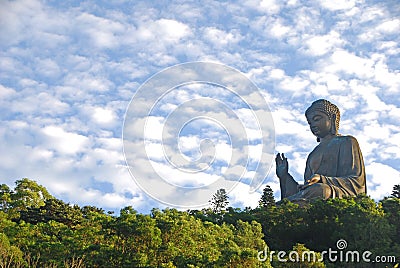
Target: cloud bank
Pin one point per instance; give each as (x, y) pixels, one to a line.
(69, 70)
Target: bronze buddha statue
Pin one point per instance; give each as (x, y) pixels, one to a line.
(335, 168)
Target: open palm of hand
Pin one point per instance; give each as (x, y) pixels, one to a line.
(282, 165)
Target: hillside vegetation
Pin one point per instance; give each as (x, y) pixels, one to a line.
(39, 230)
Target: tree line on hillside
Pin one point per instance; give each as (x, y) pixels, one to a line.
(39, 230)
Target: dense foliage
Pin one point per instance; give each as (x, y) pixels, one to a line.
(38, 230)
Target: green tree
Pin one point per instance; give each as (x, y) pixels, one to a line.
(249, 238)
(138, 239)
(283, 225)
(52, 233)
(5, 197)
(185, 239)
(27, 194)
(95, 238)
(219, 201)
(391, 206)
(267, 199)
(299, 256)
(396, 191)
(53, 209)
(233, 215)
(10, 256)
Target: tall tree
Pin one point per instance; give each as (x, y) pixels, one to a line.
(53, 209)
(267, 199)
(391, 206)
(299, 256)
(396, 191)
(28, 193)
(219, 201)
(10, 256)
(5, 197)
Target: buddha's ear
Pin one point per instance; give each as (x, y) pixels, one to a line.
(333, 124)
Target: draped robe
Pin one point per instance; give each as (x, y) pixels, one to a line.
(339, 163)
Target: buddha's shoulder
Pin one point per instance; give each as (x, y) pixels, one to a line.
(346, 139)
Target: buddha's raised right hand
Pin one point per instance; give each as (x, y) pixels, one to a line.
(282, 166)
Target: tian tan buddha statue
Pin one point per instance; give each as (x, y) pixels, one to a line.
(335, 168)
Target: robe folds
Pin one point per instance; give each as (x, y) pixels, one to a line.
(340, 164)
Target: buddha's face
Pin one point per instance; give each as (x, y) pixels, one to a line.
(320, 124)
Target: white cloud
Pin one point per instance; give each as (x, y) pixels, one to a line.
(389, 46)
(269, 6)
(163, 30)
(278, 29)
(39, 103)
(286, 121)
(172, 30)
(80, 195)
(87, 82)
(6, 92)
(103, 32)
(12, 17)
(103, 115)
(153, 128)
(223, 152)
(277, 74)
(294, 84)
(65, 142)
(380, 180)
(305, 21)
(155, 151)
(390, 26)
(338, 5)
(326, 83)
(387, 77)
(182, 178)
(240, 196)
(48, 67)
(221, 38)
(349, 63)
(321, 44)
(372, 13)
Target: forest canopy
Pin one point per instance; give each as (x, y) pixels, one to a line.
(39, 230)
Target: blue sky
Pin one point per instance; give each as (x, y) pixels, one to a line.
(69, 69)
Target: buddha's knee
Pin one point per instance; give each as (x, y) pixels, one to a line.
(318, 190)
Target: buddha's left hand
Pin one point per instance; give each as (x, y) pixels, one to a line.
(313, 180)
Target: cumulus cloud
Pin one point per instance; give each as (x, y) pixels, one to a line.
(322, 44)
(65, 142)
(221, 38)
(338, 5)
(349, 63)
(164, 30)
(102, 32)
(381, 179)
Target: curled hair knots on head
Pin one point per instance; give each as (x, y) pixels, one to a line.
(328, 108)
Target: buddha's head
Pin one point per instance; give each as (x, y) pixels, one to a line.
(323, 118)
